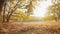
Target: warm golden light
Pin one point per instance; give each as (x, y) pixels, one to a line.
(41, 9)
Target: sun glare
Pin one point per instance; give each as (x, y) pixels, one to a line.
(40, 11)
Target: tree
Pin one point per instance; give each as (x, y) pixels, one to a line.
(19, 16)
(10, 6)
(31, 6)
(8, 9)
(1, 5)
(54, 10)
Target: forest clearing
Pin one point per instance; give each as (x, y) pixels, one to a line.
(31, 28)
(29, 16)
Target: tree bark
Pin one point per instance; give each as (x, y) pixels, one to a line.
(4, 11)
(8, 16)
(1, 5)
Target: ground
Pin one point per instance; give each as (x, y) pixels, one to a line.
(30, 28)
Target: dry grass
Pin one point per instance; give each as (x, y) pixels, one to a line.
(31, 28)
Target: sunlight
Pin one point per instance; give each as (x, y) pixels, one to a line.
(41, 9)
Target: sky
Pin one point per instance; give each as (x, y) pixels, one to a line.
(41, 10)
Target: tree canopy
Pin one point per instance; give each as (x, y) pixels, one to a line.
(54, 10)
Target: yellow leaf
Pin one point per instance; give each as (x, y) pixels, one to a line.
(11, 0)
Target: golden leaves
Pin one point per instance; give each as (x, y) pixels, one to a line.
(11, 0)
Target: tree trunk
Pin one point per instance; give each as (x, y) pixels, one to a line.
(1, 5)
(8, 16)
(4, 11)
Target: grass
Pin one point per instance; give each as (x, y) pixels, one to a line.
(31, 28)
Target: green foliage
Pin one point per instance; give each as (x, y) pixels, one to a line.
(54, 10)
(20, 16)
(11, 0)
(12, 5)
(47, 18)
